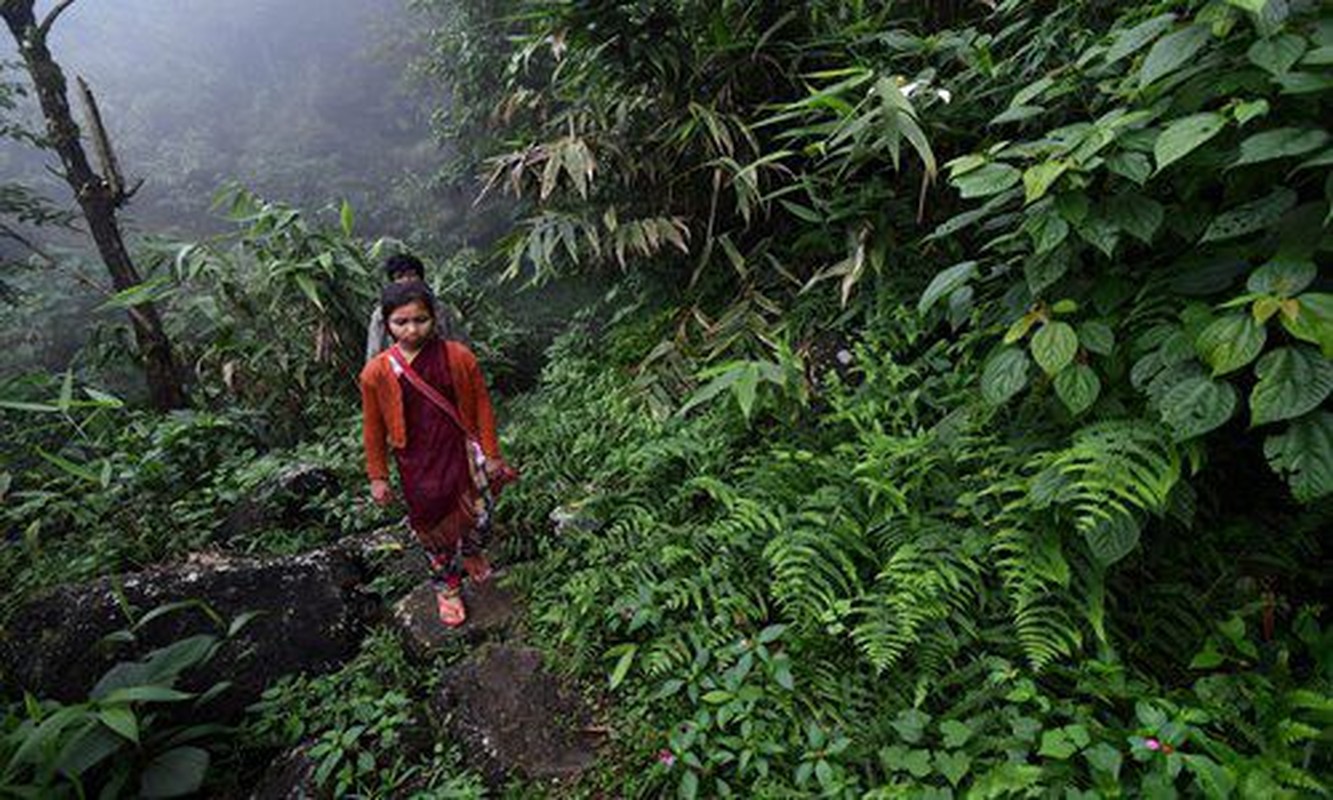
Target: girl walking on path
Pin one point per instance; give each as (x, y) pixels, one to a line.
(426, 399)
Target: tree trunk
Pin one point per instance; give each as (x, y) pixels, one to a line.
(97, 198)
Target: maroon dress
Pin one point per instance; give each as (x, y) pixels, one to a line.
(433, 465)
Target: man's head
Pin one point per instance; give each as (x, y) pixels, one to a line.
(401, 267)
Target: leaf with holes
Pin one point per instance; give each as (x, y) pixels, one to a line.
(1304, 456)
(1171, 52)
(1277, 54)
(1182, 136)
(1253, 216)
(1054, 346)
(1280, 143)
(1282, 277)
(1231, 342)
(1078, 388)
(1292, 381)
(1005, 375)
(1196, 406)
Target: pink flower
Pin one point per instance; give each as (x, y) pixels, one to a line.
(1152, 744)
(666, 758)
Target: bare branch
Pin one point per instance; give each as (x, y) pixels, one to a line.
(102, 143)
(7, 232)
(50, 20)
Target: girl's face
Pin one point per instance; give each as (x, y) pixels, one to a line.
(411, 324)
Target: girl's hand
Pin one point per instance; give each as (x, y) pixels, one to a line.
(498, 472)
(380, 492)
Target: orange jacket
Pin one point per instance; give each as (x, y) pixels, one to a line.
(383, 423)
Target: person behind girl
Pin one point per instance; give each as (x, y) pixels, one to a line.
(426, 399)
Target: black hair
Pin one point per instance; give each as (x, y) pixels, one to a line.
(397, 295)
(399, 263)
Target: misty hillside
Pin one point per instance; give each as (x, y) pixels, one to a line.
(301, 100)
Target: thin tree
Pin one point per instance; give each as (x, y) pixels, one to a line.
(98, 196)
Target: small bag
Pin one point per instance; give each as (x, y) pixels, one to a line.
(487, 485)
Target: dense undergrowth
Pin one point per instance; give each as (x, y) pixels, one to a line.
(955, 422)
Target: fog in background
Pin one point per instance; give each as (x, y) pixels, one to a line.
(300, 100)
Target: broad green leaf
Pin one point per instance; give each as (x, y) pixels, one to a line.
(1017, 114)
(1313, 321)
(87, 748)
(1319, 57)
(1043, 271)
(1318, 160)
(1170, 52)
(1037, 179)
(1058, 743)
(1303, 454)
(953, 766)
(1097, 337)
(1054, 346)
(1277, 54)
(964, 164)
(1231, 342)
(1196, 406)
(146, 694)
(1282, 277)
(1183, 135)
(1101, 233)
(1078, 388)
(1048, 230)
(1032, 91)
(122, 720)
(1111, 535)
(1136, 215)
(1250, 217)
(1280, 143)
(1132, 40)
(1005, 375)
(1134, 166)
(1292, 381)
(955, 733)
(174, 773)
(1103, 757)
(1249, 110)
(1304, 83)
(911, 724)
(988, 180)
(944, 283)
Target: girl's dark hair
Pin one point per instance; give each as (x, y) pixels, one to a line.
(397, 295)
(399, 263)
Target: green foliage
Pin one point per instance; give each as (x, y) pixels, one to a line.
(360, 727)
(121, 740)
(1205, 217)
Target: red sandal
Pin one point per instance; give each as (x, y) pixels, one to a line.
(449, 604)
